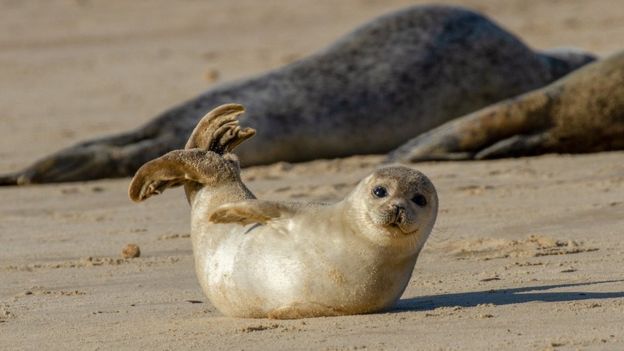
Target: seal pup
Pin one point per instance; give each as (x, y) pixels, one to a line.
(393, 78)
(257, 258)
(582, 112)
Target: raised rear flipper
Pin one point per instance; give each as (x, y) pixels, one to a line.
(204, 162)
(219, 131)
(180, 167)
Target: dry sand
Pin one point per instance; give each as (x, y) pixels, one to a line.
(527, 253)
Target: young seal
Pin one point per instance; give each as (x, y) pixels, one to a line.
(398, 76)
(258, 258)
(582, 112)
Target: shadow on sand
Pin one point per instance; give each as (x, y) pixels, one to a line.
(506, 297)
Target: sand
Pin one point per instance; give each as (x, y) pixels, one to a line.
(527, 253)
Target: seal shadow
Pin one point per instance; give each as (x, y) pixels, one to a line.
(505, 297)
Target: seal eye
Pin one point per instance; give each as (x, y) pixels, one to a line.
(380, 191)
(420, 200)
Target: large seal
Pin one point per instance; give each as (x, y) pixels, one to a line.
(258, 258)
(582, 112)
(398, 76)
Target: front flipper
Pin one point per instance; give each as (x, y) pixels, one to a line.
(252, 211)
(473, 135)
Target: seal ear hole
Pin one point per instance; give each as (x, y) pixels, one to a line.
(420, 200)
(380, 191)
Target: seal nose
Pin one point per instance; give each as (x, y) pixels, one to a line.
(399, 213)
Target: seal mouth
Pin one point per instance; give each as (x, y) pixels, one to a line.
(399, 224)
(403, 230)
(395, 223)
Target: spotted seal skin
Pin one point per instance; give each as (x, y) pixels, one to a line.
(582, 112)
(259, 259)
(395, 77)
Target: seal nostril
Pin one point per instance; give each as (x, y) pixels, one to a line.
(399, 214)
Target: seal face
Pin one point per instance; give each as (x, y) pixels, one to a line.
(397, 201)
(256, 258)
(401, 74)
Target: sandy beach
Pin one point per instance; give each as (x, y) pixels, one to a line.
(527, 254)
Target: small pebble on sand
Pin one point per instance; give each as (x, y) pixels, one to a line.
(131, 251)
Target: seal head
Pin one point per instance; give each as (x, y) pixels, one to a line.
(394, 205)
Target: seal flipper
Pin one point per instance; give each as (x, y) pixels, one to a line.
(91, 160)
(219, 131)
(252, 211)
(180, 167)
(517, 145)
(472, 136)
(205, 161)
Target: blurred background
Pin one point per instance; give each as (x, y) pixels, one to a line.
(75, 69)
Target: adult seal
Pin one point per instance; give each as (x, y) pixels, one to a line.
(257, 258)
(582, 112)
(391, 79)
